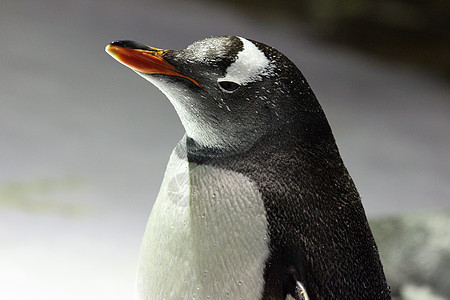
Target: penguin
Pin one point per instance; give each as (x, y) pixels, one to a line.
(256, 202)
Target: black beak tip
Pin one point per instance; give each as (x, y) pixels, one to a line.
(130, 44)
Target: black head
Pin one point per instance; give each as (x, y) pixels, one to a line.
(229, 91)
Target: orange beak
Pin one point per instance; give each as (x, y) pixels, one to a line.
(145, 61)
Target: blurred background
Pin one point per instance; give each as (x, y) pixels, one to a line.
(84, 140)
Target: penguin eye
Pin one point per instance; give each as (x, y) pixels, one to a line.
(228, 86)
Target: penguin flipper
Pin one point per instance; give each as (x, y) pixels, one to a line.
(299, 293)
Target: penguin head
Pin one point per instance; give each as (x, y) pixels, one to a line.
(228, 91)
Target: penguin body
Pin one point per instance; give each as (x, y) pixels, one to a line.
(214, 254)
(256, 202)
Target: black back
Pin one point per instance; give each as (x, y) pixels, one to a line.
(318, 229)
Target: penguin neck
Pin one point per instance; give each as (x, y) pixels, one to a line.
(197, 151)
(302, 174)
(292, 137)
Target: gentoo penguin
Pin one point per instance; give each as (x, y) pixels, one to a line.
(256, 202)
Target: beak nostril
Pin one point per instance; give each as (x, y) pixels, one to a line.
(131, 45)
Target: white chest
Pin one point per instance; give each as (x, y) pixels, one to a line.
(206, 237)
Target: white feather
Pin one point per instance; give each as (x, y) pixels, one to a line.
(251, 64)
(206, 238)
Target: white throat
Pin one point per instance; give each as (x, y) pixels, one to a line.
(199, 131)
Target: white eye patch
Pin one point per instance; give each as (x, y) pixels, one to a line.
(251, 64)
